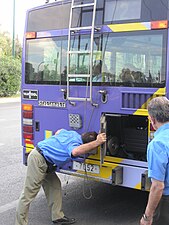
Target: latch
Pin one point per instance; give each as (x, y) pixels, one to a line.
(64, 91)
(104, 95)
(145, 181)
(117, 175)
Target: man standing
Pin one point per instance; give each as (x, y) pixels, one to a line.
(42, 161)
(157, 210)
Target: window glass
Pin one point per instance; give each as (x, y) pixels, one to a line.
(122, 10)
(57, 16)
(46, 60)
(80, 61)
(83, 16)
(135, 10)
(124, 59)
(49, 18)
(134, 59)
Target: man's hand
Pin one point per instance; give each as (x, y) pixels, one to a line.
(155, 195)
(101, 138)
(144, 222)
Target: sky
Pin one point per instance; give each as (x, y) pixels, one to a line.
(6, 15)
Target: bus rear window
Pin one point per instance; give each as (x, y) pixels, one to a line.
(56, 17)
(134, 59)
(46, 60)
(135, 10)
(122, 10)
(49, 18)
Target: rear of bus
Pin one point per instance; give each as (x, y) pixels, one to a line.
(129, 68)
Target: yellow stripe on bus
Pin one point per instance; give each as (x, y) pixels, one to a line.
(160, 92)
(143, 110)
(105, 170)
(48, 133)
(138, 186)
(129, 27)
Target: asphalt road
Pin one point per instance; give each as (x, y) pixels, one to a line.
(107, 205)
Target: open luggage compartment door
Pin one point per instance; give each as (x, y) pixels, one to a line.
(103, 129)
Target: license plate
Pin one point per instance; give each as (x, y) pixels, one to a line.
(86, 167)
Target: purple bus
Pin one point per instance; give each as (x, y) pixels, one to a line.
(93, 65)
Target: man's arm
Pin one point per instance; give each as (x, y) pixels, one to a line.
(85, 148)
(155, 195)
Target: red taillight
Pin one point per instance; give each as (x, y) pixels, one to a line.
(28, 115)
(28, 142)
(28, 136)
(28, 129)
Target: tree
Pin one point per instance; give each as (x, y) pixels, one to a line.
(10, 67)
(10, 75)
(5, 44)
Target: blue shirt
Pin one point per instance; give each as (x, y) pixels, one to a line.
(158, 156)
(58, 148)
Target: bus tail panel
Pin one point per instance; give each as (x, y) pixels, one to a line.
(112, 173)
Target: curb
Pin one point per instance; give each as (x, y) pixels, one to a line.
(8, 100)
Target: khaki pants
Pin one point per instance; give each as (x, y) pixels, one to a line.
(35, 178)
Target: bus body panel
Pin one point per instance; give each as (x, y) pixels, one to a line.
(130, 67)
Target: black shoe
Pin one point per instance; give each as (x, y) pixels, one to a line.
(64, 221)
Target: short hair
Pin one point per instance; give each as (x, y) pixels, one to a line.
(158, 108)
(89, 136)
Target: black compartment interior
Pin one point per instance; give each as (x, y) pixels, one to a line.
(127, 136)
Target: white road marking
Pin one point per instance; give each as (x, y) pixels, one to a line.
(8, 206)
(12, 126)
(1, 120)
(14, 107)
(4, 120)
(13, 204)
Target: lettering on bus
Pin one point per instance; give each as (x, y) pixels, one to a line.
(49, 1)
(30, 94)
(52, 104)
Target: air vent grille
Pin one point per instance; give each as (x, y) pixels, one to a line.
(136, 100)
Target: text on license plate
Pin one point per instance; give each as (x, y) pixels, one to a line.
(86, 167)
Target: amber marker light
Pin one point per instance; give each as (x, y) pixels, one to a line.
(27, 107)
(30, 35)
(162, 24)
